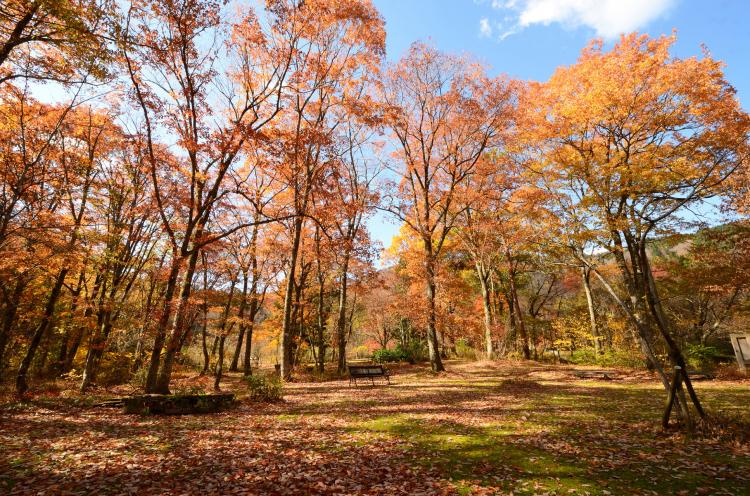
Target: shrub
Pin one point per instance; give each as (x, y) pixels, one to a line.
(414, 351)
(265, 388)
(702, 356)
(114, 368)
(388, 356)
(465, 350)
(586, 356)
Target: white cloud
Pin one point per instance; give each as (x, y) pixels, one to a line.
(608, 18)
(485, 29)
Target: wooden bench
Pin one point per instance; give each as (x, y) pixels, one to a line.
(700, 375)
(367, 372)
(606, 375)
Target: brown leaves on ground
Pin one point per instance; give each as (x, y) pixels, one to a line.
(481, 428)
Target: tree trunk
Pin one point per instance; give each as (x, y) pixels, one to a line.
(175, 339)
(161, 329)
(341, 319)
(483, 276)
(219, 363)
(222, 335)
(62, 356)
(514, 301)
(246, 370)
(241, 316)
(96, 350)
(586, 276)
(432, 340)
(21, 383)
(9, 317)
(285, 341)
(322, 318)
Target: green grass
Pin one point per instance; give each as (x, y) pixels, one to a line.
(490, 428)
(578, 437)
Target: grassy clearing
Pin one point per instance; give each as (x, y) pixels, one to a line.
(481, 428)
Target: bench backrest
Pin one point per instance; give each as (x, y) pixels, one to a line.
(366, 370)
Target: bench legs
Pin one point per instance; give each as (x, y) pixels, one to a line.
(372, 379)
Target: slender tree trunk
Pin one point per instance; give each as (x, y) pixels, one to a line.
(675, 353)
(586, 276)
(285, 341)
(322, 318)
(241, 316)
(432, 340)
(96, 350)
(341, 319)
(253, 310)
(219, 363)
(487, 304)
(9, 317)
(161, 329)
(49, 310)
(81, 329)
(222, 335)
(514, 301)
(178, 326)
(298, 317)
(62, 356)
(246, 369)
(140, 346)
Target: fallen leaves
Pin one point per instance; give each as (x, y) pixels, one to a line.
(469, 433)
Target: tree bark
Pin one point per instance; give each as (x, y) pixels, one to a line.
(178, 327)
(483, 276)
(586, 276)
(49, 310)
(9, 317)
(241, 315)
(161, 329)
(432, 340)
(341, 318)
(285, 341)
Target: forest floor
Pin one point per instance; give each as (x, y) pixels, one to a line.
(480, 428)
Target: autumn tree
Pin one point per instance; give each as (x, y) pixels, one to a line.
(338, 46)
(444, 115)
(170, 50)
(55, 40)
(632, 138)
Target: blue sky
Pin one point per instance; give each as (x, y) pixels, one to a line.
(528, 39)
